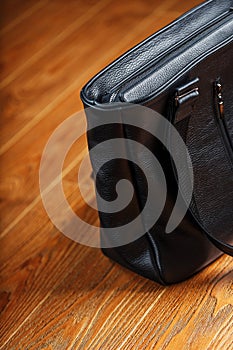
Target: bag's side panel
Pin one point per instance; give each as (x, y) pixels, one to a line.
(138, 255)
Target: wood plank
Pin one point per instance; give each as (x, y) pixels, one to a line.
(36, 239)
(27, 46)
(13, 12)
(35, 218)
(114, 309)
(20, 189)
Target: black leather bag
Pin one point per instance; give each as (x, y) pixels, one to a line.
(184, 72)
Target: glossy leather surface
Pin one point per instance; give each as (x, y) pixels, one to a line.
(169, 258)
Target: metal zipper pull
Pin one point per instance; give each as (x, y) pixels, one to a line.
(220, 101)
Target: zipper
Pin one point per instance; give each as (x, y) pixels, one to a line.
(221, 121)
(113, 94)
(120, 89)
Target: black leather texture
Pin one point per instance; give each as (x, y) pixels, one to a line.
(176, 72)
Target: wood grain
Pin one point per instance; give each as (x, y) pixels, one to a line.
(55, 293)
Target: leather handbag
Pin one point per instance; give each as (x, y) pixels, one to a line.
(185, 73)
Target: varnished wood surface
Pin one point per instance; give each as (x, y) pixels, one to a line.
(55, 293)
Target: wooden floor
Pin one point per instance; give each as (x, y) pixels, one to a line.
(55, 293)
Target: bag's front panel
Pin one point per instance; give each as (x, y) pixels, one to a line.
(209, 138)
